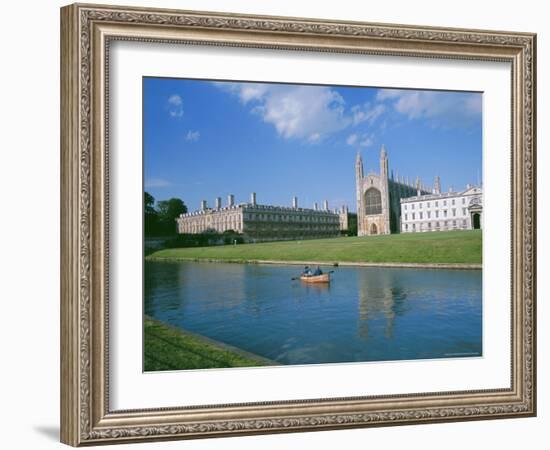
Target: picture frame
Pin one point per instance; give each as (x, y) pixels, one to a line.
(87, 32)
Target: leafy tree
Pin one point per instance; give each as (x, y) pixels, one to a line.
(149, 203)
(151, 218)
(168, 211)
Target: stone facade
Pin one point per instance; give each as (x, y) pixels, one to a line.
(262, 222)
(443, 211)
(378, 198)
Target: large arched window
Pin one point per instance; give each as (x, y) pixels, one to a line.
(373, 202)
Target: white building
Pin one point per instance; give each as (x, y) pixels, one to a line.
(443, 211)
(262, 222)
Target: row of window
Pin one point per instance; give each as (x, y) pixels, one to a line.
(291, 218)
(436, 203)
(294, 226)
(435, 225)
(429, 214)
(199, 228)
(204, 222)
(268, 217)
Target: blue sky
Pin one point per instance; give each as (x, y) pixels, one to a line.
(204, 139)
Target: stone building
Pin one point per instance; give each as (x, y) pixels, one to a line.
(348, 221)
(443, 211)
(378, 197)
(262, 222)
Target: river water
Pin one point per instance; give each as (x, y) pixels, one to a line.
(365, 314)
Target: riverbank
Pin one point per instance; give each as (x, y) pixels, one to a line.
(169, 348)
(452, 249)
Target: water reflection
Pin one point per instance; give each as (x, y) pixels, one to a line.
(380, 294)
(365, 314)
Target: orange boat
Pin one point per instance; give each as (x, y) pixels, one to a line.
(324, 278)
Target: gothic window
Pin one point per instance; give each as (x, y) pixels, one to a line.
(373, 202)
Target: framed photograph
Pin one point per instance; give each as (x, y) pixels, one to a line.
(276, 224)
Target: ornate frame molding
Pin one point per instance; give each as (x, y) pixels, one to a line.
(86, 31)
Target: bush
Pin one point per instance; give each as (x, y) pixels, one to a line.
(204, 239)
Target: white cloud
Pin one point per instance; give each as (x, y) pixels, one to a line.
(304, 112)
(156, 183)
(367, 113)
(311, 113)
(384, 94)
(249, 92)
(192, 136)
(366, 141)
(352, 139)
(363, 140)
(315, 137)
(175, 106)
(450, 109)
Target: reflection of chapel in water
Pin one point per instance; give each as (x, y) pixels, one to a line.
(379, 298)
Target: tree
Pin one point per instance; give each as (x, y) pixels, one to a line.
(150, 219)
(149, 203)
(168, 211)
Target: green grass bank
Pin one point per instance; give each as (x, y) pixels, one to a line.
(167, 348)
(445, 247)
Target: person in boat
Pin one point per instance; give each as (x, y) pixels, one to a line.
(317, 272)
(307, 271)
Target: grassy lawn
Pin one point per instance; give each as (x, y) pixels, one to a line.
(436, 247)
(166, 348)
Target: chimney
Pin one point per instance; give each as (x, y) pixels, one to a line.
(253, 199)
(325, 205)
(315, 206)
(468, 186)
(203, 205)
(295, 202)
(230, 200)
(218, 202)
